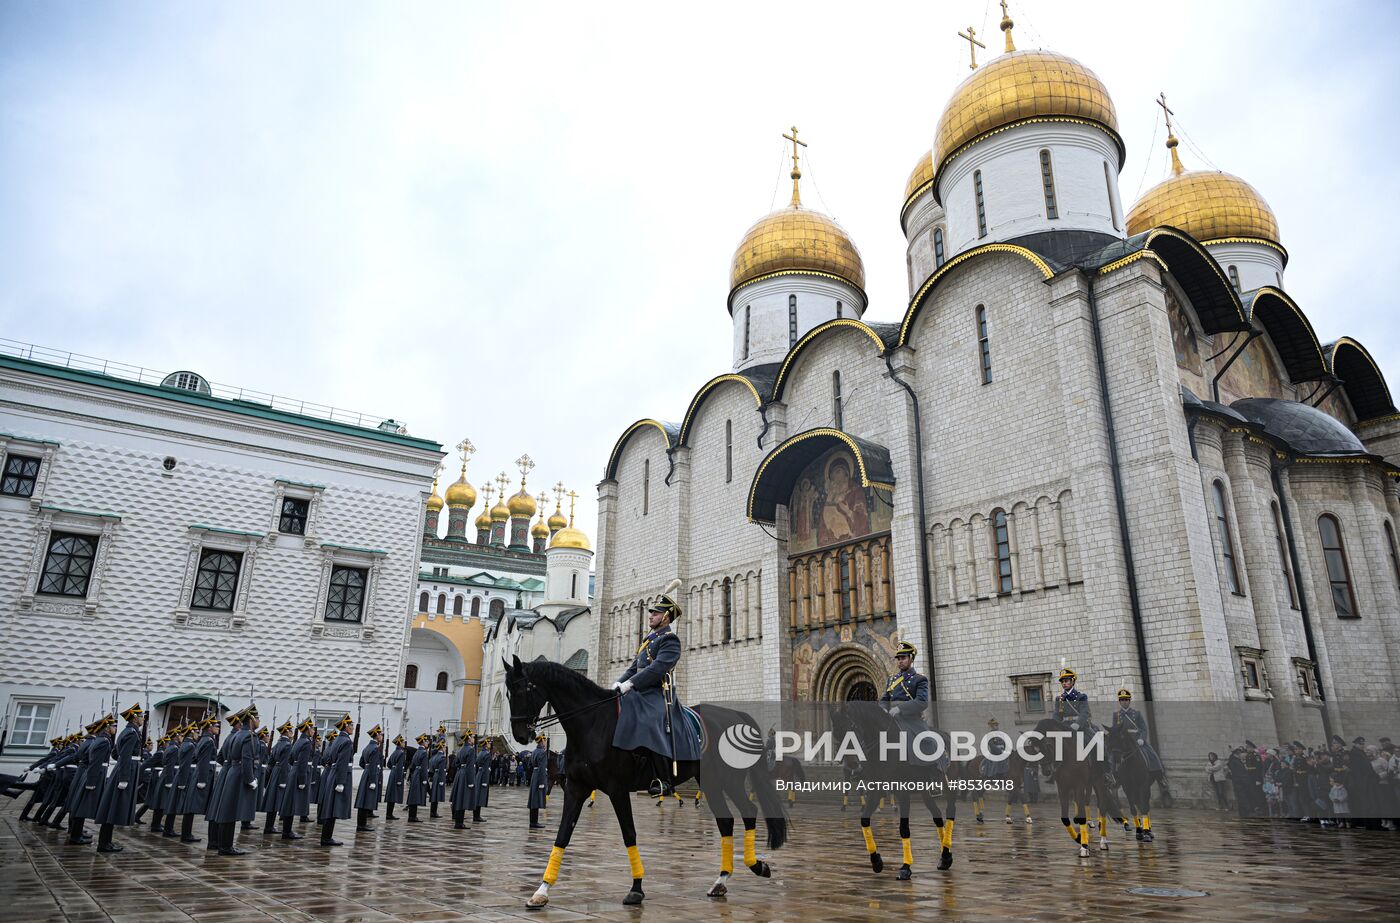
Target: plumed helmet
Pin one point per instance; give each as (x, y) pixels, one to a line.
(666, 602)
(1124, 695)
(906, 649)
(1067, 674)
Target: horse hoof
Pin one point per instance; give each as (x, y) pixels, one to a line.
(633, 898)
(761, 869)
(1147, 837)
(1103, 843)
(945, 861)
(904, 873)
(537, 901)
(1139, 836)
(718, 890)
(1127, 827)
(876, 863)
(1083, 852)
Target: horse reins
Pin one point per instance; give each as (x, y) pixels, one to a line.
(552, 720)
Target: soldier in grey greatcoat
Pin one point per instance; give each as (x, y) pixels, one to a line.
(437, 776)
(418, 779)
(463, 781)
(36, 798)
(222, 758)
(152, 762)
(199, 769)
(64, 769)
(398, 768)
(275, 783)
(484, 759)
(163, 801)
(183, 778)
(649, 719)
(371, 785)
(117, 806)
(539, 781)
(336, 779)
(236, 797)
(87, 784)
(296, 797)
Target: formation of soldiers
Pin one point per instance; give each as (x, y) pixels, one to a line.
(196, 771)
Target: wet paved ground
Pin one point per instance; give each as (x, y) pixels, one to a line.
(429, 872)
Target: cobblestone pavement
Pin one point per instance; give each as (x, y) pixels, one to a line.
(1252, 870)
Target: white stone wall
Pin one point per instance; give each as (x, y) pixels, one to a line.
(920, 259)
(1256, 265)
(566, 575)
(427, 706)
(766, 304)
(1012, 190)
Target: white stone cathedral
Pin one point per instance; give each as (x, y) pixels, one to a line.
(1093, 437)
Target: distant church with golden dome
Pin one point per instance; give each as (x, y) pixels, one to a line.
(516, 580)
(1095, 436)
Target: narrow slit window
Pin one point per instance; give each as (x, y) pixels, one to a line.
(984, 345)
(1001, 537)
(1283, 557)
(938, 253)
(746, 331)
(792, 321)
(840, 310)
(1338, 572)
(1112, 206)
(981, 204)
(836, 399)
(1227, 547)
(1047, 182)
(728, 451)
(1234, 278)
(646, 486)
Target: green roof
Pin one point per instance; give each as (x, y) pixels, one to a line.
(243, 407)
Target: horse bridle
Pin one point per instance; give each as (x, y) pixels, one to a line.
(557, 718)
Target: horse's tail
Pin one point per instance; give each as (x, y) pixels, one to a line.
(765, 789)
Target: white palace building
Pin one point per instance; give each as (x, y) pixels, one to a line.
(205, 544)
(1099, 436)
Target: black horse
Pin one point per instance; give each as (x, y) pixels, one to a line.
(1135, 777)
(588, 714)
(866, 722)
(1080, 782)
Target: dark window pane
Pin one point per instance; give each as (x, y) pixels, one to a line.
(346, 599)
(20, 475)
(293, 519)
(68, 565)
(216, 584)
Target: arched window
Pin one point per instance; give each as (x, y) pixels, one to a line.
(836, 398)
(442, 681)
(792, 321)
(442, 603)
(1394, 554)
(1227, 546)
(646, 486)
(984, 345)
(410, 676)
(1001, 538)
(1338, 572)
(476, 607)
(728, 451)
(573, 585)
(498, 608)
(1283, 556)
(1047, 182)
(728, 616)
(1112, 206)
(457, 605)
(840, 311)
(423, 601)
(1234, 278)
(746, 331)
(938, 253)
(517, 602)
(981, 203)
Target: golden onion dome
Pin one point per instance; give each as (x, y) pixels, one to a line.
(919, 180)
(796, 240)
(557, 520)
(539, 529)
(569, 537)
(460, 493)
(1207, 205)
(483, 521)
(434, 502)
(1018, 87)
(522, 505)
(500, 512)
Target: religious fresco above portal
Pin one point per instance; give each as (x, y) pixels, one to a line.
(1188, 347)
(829, 506)
(1254, 374)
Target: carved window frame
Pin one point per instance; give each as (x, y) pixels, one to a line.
(42, 449)
(311, 493)
(50, 519)
(202, 538)
(367, 559)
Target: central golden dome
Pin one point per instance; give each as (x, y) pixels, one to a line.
(461, 493)
(1206, 205)
(796, 239)
(1021, 86)
(569, 537)
(522, 505)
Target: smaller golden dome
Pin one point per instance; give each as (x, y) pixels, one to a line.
(539, 529)
(569, 537)
(434, 502)
(919, 180)
(557, 520)
(483, 521)
(1206, 205)
(796, 239)
(500, 512)
(461, 493)
(522, 505)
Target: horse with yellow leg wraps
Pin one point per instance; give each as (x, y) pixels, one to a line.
(588, 715)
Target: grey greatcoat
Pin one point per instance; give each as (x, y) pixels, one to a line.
(417, 778)
(642, 718)
(276, 785)
(236, 797)
(539, 776)
(1136, 727)
(335, 794)
(223, 760)
(398, 766)
(64, 768)
(92, 770)
(151, 771)
(464, 780)
(296, 797)
(203, 769)
(117, 806)
(169, 774)
(184, 776)
(437, 775)
(483, 776)
(371, 778)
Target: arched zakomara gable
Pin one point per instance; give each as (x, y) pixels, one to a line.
(773, 481)
(1361, 379)
(670, 432)
(925, 293)
(757, 381)
(819, 332)
(1288, 328)
(1212, 297)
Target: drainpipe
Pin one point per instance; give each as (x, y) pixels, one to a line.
(1303, 610)
(927, 596)
(1215, 382)
(1134, 603)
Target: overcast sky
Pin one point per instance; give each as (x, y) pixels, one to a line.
(514, 222)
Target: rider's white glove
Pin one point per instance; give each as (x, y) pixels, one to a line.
(624, 687)
(617, 685)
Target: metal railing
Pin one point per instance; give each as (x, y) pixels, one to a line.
(136, 373)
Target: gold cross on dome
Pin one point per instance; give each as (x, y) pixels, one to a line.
(572, 498)
(526, 464)
(502, 480)
(559, 493)
(1162, 101)
(972, 44)
(796, 171)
